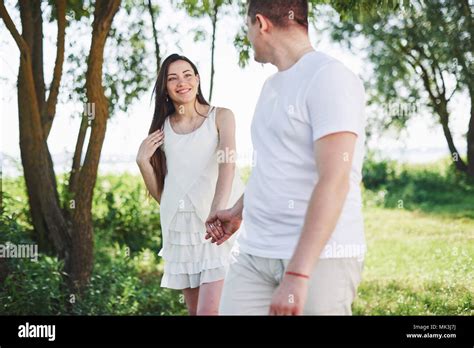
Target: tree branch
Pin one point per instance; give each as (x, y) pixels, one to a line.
(213, 46)
(76, 161)
(155, 36)
(439, 104)
(422, 53)
(21, 43)
(49, 113)
(454, 90)
(32, 25)
(425, 77)
(103, 16)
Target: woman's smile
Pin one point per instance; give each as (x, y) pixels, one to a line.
(183, 90)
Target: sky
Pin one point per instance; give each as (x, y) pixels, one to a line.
(234, 88)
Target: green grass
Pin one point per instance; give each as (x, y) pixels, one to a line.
(419, 261)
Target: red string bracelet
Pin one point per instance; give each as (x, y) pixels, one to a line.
(297, 274)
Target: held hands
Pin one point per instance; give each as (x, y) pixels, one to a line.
(149, 146)
(221, 225)
(290, 296)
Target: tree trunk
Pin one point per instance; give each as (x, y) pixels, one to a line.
(46, 213)
(213, 47)
(442, 111)
(72, 240)
(470, 139)
(82, 238)
(155, 37)
(37, 165)
(439, 103)
(76, 160)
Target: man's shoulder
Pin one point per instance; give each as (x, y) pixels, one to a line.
(324, 64)
(321, 59)
(313, 61)
(318, 68)
(329, 70)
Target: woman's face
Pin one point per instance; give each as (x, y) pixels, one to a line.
(182, 84)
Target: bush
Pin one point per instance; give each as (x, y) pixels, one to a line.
(377, 174)
(33, 287)
(126, 276)
(122, 211)
(121, 285)
(433, 187)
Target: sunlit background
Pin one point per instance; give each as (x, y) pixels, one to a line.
(234, 87)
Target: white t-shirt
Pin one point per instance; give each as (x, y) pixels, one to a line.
(315, 97)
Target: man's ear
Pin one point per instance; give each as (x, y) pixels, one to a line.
(263, 22)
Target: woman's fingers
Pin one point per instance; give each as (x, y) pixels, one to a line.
(214, 232)
(156, 142)
(210, 232)
(157, 137)
(155, 134)
(220, 230)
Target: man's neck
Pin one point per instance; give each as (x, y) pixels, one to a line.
(289, 49)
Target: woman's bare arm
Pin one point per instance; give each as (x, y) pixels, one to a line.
(147, 149)
(226, 156)
(148, 175)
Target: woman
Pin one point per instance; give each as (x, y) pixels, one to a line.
(183, 168)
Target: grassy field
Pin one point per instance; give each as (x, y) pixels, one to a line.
(419, 229)
(417, 263)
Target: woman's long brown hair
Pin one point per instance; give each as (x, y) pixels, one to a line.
(163, 109)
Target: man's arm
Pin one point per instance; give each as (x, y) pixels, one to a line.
(334, 159)
(333, 155)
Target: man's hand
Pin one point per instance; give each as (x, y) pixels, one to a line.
(290, 296)
(222, 225)
(213, 226)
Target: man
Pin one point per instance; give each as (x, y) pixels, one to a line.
(302, 243)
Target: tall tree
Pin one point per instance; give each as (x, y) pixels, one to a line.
(71, 235)
(34, 120)
(422, 54)
(82, 235)
(63, 225)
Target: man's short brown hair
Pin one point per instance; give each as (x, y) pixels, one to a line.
(280, 12)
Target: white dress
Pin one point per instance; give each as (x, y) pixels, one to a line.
(189, 188)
